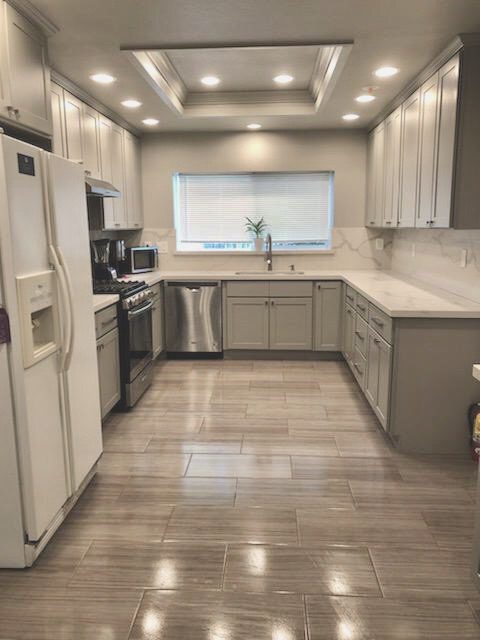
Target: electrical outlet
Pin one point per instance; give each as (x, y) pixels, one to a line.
(463, 258)
(379, 244)
(162, 247)
(413, 250)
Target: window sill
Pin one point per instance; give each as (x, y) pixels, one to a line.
(249, 254)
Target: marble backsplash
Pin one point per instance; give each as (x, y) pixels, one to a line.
(435, 257)
(353, 248)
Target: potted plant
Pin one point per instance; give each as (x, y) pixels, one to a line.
(257, 229)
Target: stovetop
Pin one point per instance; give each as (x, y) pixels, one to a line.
(121, 288)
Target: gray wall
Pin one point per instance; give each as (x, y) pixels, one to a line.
(341, 151)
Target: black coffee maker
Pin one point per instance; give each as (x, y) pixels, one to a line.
(102, 269)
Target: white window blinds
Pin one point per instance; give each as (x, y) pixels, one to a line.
(297, 207)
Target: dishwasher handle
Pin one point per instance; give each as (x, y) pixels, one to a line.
(192, 285)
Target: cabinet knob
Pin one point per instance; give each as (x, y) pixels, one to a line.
(272, 303)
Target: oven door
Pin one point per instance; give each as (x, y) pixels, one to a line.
(139, 352)
(143, 259)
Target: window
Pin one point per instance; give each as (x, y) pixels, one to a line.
(210, 210)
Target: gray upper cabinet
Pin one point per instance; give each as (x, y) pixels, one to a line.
(247, 323)
(24, 72)
(291, 324)
(91, 141)
(328, 316)
(118, 176)
(393, 132)
(59, 142)
(375, 184)
(427, 151)
(409, 160)
(446, 126)
(133, 182)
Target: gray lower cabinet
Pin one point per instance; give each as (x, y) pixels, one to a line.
(328, 316)
(377, 382)
(158, 343)
(109, 370)
(291, 324)
(247, 323)
(348, 333)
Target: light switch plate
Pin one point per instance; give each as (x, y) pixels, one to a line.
(413, 250)
(463, 258)
(379, 244)
(162, 247)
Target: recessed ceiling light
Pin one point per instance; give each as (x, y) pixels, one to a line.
(386, 72)
(102, 78)
(283, 78)
(210, 81)
(131, 104)
(350, 116)
(254, 125)
(365, 97)
(150, 122)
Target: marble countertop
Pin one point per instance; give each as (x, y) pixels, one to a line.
(102, 301)
(397, 296)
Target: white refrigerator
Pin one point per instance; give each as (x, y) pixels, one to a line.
(50, 425)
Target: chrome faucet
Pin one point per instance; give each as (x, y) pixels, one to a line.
(268, 252)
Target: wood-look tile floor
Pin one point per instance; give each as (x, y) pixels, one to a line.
(255, 501)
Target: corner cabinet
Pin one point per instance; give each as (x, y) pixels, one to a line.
(24, 73)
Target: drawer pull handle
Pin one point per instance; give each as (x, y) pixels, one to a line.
(105, 322)
(350, 297)
(378, 322)
(360, 371)
(361, 307)
(359, 335)
(376, 341)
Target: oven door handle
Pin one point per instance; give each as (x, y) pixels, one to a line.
(140, 310)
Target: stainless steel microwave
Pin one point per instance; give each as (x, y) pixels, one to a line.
(140, 259)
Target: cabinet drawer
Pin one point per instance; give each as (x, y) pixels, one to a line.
(380, 322)
(350, 296)
(248, 289)
(361, 332)
(359, 367)
(105, 320)
(361, 305)
(291, 289)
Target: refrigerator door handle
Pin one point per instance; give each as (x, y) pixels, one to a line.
(68, 280)
(66, 337)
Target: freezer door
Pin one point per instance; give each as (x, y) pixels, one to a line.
(37, 401)
(68, 210)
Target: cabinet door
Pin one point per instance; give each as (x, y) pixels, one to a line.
(28, 72)
(373, 366)
(291, 323)
(370, 212)
(157, 326)
(384, 376)
(105, 139)
(59, 143)
(109, 370)
(447, 115)
(91, 144)
(427, 151)
(409, 160)
(118, 176)
(393, 131)
(348, 332)
(247, 323)
(376, 177)
(133, 182)
(328, 316)
(73, 127)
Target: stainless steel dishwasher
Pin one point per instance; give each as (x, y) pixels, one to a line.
(194, 317)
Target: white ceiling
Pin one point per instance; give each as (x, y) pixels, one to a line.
(403, 33)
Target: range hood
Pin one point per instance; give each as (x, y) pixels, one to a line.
(100, 188)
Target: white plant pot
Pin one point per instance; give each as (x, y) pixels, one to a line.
(258, 244)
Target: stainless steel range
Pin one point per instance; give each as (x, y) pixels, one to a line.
(135, 325)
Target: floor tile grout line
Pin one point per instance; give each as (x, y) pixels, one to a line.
(135, 614)
(188, 465)
(225, 555)
(375, 572)
(167, 524)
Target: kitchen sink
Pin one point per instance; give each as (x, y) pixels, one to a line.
(269, 273)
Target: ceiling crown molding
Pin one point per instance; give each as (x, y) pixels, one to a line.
(27, 9)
